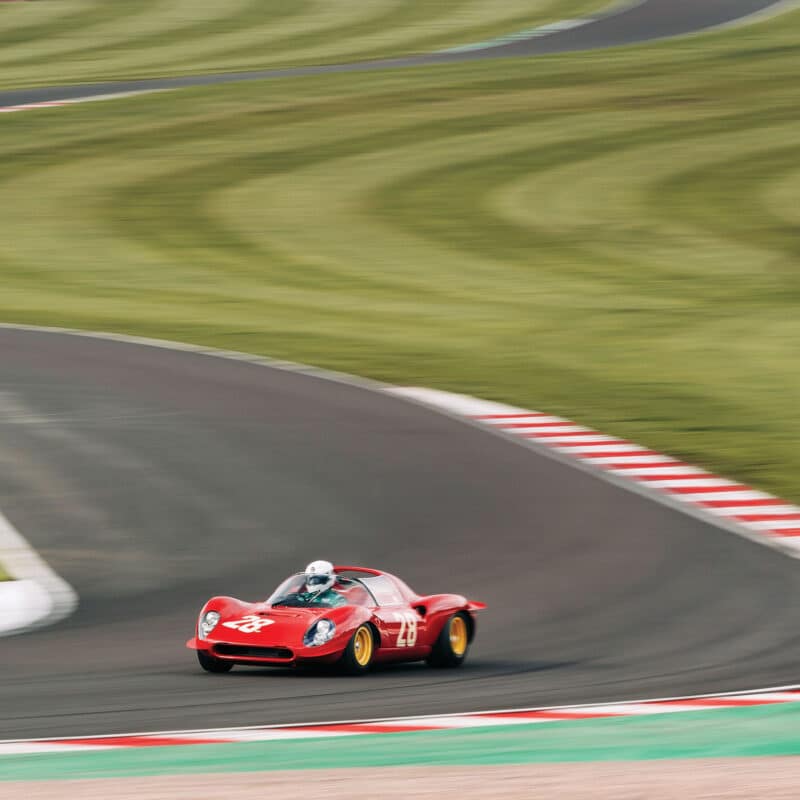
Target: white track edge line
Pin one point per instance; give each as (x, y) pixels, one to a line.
(643, 490)
(28, 569)
(546, 28)
(72, 101)
(774, 10)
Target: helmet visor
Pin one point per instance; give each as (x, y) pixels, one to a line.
(317, 580)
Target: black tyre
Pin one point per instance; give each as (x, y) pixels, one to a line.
(451, 647)
(357, 657)
(213, 664)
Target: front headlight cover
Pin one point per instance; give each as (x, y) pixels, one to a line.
(319, 633)
(207, 623)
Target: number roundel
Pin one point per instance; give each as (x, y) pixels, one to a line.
(251, 623)
(408, 631)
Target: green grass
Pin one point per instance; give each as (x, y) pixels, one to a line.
(610, 236)
(63, 41)
(4, 576)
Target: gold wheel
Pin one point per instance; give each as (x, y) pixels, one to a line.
(362, 646)
(458, 636)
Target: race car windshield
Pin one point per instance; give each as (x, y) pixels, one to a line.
(295, 592)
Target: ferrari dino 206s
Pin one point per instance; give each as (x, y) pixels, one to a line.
(352, 617)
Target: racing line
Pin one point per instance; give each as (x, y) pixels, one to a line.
(150, 478)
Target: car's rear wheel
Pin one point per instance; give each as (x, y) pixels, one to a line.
(451, 646)
(213, 664)
(359, 652)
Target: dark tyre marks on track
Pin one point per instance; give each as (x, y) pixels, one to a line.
(151, 479)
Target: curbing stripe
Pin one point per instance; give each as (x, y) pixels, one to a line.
(767, 697)
(719, 501)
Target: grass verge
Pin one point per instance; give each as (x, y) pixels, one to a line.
(612, 236)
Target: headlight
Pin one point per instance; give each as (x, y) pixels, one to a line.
(207, 624)
(320, 632)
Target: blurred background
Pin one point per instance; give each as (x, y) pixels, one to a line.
(609, 235)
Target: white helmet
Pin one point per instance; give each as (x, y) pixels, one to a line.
(319, 576)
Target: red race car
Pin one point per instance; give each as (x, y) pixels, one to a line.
(349, 616)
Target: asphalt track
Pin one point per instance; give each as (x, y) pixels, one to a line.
(640, 22)
(151, 479)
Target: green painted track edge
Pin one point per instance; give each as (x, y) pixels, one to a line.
(772, 730)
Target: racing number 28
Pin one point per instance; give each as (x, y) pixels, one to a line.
(408, 631)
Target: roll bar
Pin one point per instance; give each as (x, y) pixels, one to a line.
(367, 570)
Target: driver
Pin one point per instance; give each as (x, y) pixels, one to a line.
(320, 579)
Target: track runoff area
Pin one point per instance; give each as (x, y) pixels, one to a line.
(737, 508)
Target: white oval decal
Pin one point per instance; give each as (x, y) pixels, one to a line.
(249, 624)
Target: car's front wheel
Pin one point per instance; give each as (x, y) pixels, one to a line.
(358, 654)
(213, 664)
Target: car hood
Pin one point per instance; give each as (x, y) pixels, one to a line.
(262, 624)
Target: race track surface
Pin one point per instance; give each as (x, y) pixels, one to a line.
(639, 22)
(151, 479)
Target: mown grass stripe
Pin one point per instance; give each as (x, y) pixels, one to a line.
(91, 20)
(606, 236)
(149, 47)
